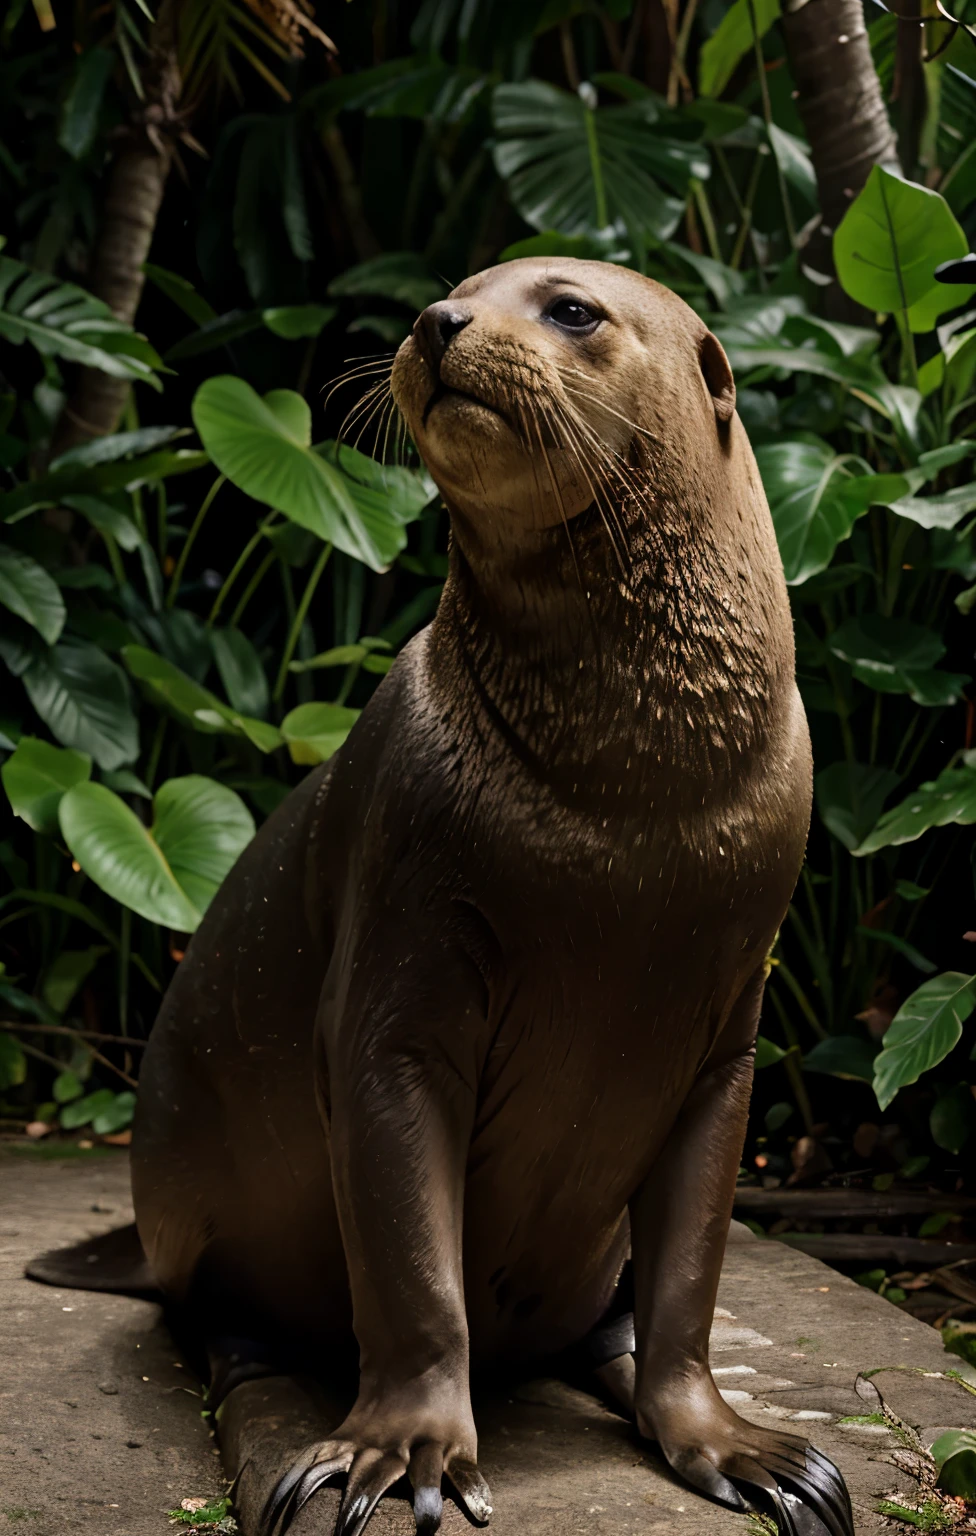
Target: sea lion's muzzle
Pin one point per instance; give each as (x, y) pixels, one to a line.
(435, 327)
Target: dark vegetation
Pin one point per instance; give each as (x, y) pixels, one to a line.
(215, 208)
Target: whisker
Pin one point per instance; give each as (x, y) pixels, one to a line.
(354, 373)
(557, 491)
(378, 407)
(570, 417)
(603, 406)
(367, 403)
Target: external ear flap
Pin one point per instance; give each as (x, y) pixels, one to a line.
(717, 375)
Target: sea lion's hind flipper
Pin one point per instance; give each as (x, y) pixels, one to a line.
(808, 1499)
(113, 1262)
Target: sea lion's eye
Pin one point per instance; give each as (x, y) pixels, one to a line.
(572, 315)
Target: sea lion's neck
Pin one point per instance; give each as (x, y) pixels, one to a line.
(615, 651)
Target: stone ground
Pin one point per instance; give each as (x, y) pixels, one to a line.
(101, 1434)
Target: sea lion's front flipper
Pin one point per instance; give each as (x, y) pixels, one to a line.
(679, 1220)
(113, 1261)
(402, 1040)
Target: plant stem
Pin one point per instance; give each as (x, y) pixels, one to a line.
(768, 120)
(114, 559)
(252, 587)
(238, 566)
(596, 169)
(155, 750)
(708, 223)
(205, 506)
(162, 524)
(125, 948)
(793, 1069)
(875, 729)
(745, 227)
(299, 620)
(907, 344)
(783, 970)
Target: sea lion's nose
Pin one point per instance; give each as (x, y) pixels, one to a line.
(434, 329)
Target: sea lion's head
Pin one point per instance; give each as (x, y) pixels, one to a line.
(537, 384)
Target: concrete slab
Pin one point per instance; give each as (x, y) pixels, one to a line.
(101, 1435)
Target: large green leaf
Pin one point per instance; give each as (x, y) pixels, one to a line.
(403, 276)
(953, 1118)
(66, 973)
(935, 511)
(889, 243)
(732, 39)
(166, 684)
(79, 114)
(815, 500)
(241, 672)
(51, 489)
(62, 320)
(170, 872)
(83, 699)
(264, 447)
(577, 169)
(896, 656)
(924, 1030)
(315, 731)
(849, 798)
(955, 1451)
(108, 517)
(27, 590)
(115, 446)
(35, 777)
(848, 1056)
(13, 1062)
(949, 799)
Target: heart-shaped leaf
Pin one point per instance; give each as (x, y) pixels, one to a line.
(815, 501)
(924, 1030)
(115, 1116)
(264, 447)
(315, 731)
(83, 1111)
(850, 797)
(896, 656)
(170, 871)
(951, 798)
(83, 699)
(294, 321)
(889, 243)
(35, 777)
(28, 591)
(168, 685)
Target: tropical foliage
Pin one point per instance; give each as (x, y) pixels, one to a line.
(195, 605)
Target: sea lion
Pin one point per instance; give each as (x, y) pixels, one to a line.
(473, 1017)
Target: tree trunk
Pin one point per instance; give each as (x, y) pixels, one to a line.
(838, 95)
(136, 182)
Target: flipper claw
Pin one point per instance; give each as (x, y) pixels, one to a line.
(371, 1474)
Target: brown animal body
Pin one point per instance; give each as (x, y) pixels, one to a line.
(472, 1019)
